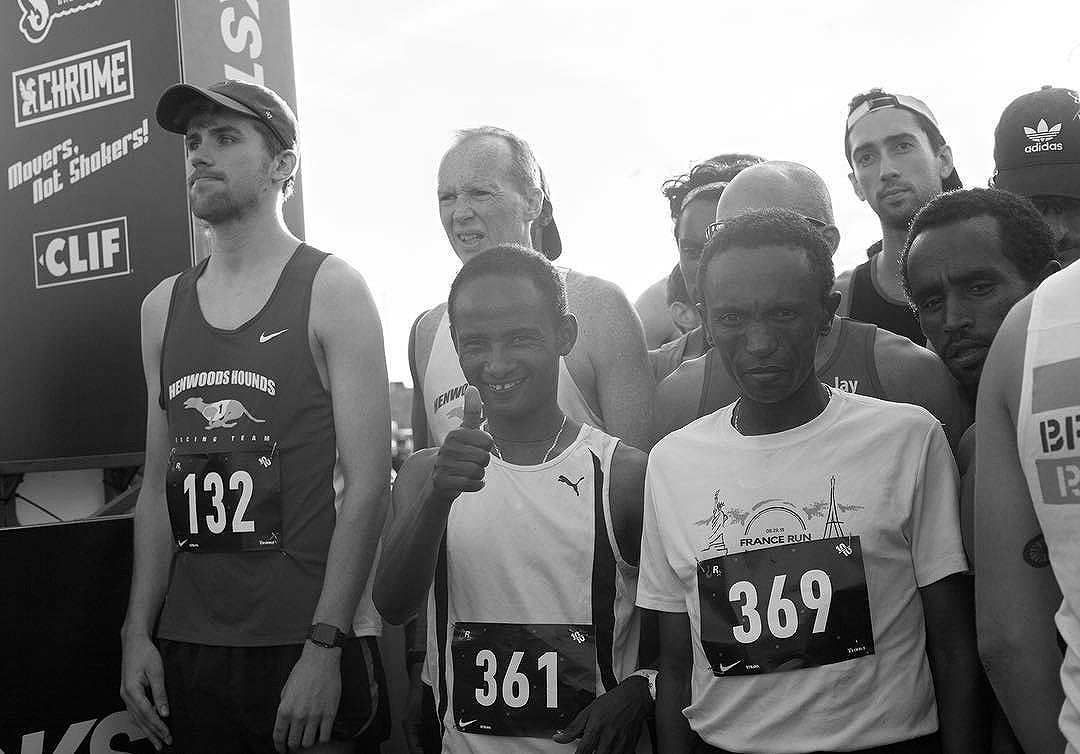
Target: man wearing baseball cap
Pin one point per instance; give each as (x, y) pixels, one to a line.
(266, 379)
(1037, 155)
(899, 161)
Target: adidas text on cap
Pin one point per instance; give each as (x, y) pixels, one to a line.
(1037, 144)
(878, 99)
(177, 103)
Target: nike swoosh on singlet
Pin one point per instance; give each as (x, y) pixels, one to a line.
(264, 337)
(726, 668)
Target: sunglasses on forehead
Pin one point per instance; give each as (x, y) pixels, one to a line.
(713, 228)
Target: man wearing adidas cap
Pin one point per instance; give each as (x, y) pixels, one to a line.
(899, 161)
(266, 377)
(1037, 155)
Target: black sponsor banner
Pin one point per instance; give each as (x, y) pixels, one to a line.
(785, 607)
(61, 662)
(94, 213)
(246, 41)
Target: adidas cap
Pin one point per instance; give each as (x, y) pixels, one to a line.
(878, 99)
(178, 101)
(1037, 144)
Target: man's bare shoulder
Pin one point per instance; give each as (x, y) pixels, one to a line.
(595, 300)
(628, 465)
(905, 365)
(155, 306)
(337, 281)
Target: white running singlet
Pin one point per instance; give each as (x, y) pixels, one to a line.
(1048, 443)
(531, 612)
(444, 389)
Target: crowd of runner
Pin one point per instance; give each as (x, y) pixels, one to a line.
(759, 536)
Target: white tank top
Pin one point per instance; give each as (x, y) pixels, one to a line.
(444, 389)
(1048, 440)
(530, 588)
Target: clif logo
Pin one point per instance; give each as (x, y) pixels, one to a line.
(1043, 136)
(38, 15)
(81, 252)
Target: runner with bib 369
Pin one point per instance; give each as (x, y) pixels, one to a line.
(803, 543)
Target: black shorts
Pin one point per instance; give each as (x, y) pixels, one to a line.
(225, 699)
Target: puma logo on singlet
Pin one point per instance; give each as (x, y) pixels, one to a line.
(221, 414)
(571, 484)
(848, 386)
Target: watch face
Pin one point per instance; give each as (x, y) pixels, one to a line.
(324, 633)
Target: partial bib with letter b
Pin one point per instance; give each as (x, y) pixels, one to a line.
(521, 680)
(785, 607)
(225, 502)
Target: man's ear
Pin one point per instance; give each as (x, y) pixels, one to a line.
(855, 185)
(684, 316)
(567, 332)
(534, 204)
(832, 303)
(285, 164)
(832, 237)
(945, 159)
(1051, 267)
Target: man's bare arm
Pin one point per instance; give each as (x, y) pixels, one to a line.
(347, 324)
(142, 670)
(677, 398)
(954, 663)
(673, 684)
(348, 333)
(421, 337)
(912, 374)
(1015, 590)
(610, 332)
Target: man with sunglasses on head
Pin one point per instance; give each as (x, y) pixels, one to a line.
(899, 161)
(802, 545)
(853, 356)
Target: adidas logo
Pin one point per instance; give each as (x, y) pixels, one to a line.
(1041, 134)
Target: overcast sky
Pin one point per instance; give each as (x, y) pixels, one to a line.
(616, 97)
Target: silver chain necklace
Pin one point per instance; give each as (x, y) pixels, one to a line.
(735, 410)
(498, 453)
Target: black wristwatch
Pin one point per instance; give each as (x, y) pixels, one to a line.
(325, 635)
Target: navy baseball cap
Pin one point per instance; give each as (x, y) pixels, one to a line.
(1037, 144)
(878, 99)
(177, 103)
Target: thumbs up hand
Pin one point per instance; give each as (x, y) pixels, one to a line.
(465, 453)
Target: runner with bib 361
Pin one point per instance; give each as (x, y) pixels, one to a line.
(526, 526)
(802, 544)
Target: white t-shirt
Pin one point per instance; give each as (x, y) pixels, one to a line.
(876, 481)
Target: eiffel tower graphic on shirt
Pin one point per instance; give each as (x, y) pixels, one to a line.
(833, 526)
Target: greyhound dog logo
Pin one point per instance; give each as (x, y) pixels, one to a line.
(573, 485)
(37, 16)
(221, 414)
